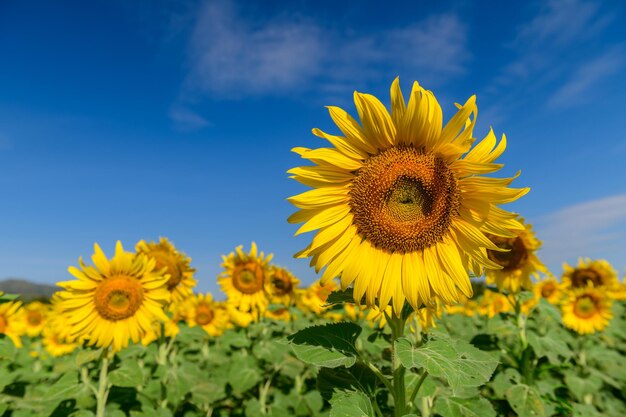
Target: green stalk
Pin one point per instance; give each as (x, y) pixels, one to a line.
(399, 392)
(417, 387)
(103, 385)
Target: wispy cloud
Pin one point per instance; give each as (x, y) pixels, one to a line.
(586, 76)
(186, 120)
(231, 56)
(558, 55)
(594, 228)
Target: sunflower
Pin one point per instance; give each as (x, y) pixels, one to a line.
(594, 273)
(398, 210)
(204, 312)
(176, 264)
(519, 263)
(494, 303)
(586, 310)
(11, 322)
(56, 336)
(281, 286)
(35, 317)
(168, 328)
(237, 317)
(314, 298)
(279, 314)
(550, 289)
(114, 300)
(244, 279)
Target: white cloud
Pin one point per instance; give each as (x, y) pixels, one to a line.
(187, 120)
(586, 76)
(594, 228)
(231, 56)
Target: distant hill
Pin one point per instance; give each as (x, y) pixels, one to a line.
(27, 290)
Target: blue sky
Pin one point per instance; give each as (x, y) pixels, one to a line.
(130, 120)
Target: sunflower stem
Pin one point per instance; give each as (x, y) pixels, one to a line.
(397, 325)
(103, 385)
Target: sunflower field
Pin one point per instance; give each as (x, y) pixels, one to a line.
(432, 301)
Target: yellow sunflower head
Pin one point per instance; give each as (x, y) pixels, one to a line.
(12, 322)
(34, 315)
(279, 314)
(519, 263)
(400, 203)
(424, 318)
(550, 289)
(244, 279)
(376, 317)
(281, 285)
(204, 312)
(176, 264)
(589, 273)
(114, 300)
(55, 344)
(314, 298)
(494, 303)
(586, 310)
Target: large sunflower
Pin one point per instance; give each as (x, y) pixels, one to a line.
(519, 263)
(176, 264)
(115, 300)
(399, 202)
(244, 278)
(594, 273)
(586, 310)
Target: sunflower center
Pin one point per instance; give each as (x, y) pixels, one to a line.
(281, 283)
(585, 307)
(204, 314)
(516, 256)
(584, 276)
(34, 318)
(3, 324)
(248, 277)
(547, 290)
(118, 297)
(166, 260)
(404, 200)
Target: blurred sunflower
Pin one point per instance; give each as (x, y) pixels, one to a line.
(56, 337)
(313, 298)
(237, 317)
(519, 263)
(376, 317)
(586, 310)
(180, 282)
(204, 312)
(279, 314)
(594, 273)
(115, 300)
(550, 289)
(399, 211)
(493, 303)
(281, 286)
(34, 315)
(11, 321)
(244, 279)
(168, 328)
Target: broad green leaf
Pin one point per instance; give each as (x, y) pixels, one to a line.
(129, 374)
(525, 401)
(5, 298)
(7, 348)
(340, 297)
(356, 378)
(582, 387)
(329, 346)
(235, 339)
(87, 355)
(457, 362)
(351, 404)
(67, 387)
(206, 392)
(549, 345)
(464, 407)
(585, 410)
(244, 373)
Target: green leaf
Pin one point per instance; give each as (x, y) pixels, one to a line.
(525, 401)
(351, 404)
(340, 297)
(87, 355)
(550, 346)
(329, 346)
(235, 339)
(464, 407)
(585, 410)
(581, 387)
(7, 348)
(356, 378)
(129, 374)
(206, 393)
(244, 373)
(457, 362)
